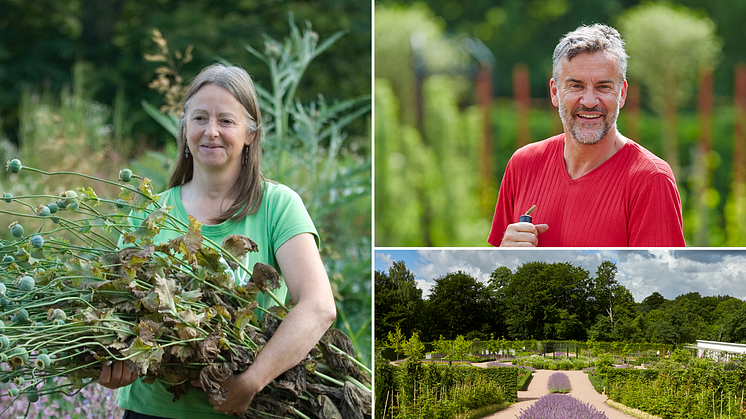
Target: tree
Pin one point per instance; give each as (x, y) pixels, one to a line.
(457, 305)
(735, 327)
(396, 341)
(668, 46)
(461, 347)
(724, 316)
(652, 302)
(414, 348)
(542, 300)
(606, 288)
(443, 347)
(677, 323)
(398, 301)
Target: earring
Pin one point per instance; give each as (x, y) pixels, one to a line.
(186, 152)
(245, 155)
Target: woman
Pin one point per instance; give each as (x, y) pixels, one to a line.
(217, 180)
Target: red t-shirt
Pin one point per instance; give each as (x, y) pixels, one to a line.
(629, 200)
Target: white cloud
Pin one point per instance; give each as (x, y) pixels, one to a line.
(385, 259)
(425, 286)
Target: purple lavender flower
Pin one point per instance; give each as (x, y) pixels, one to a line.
(93, 401)
(560, 406)
(559, 382)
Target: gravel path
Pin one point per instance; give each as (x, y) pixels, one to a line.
(581, 389)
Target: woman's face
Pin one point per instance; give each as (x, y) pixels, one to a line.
(216, 129)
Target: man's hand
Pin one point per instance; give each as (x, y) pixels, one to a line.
(116, 375)
(523, 235)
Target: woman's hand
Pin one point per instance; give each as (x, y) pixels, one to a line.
(241, 391)
(116, 375)
(298, 333)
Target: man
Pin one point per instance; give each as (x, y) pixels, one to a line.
(591, 185)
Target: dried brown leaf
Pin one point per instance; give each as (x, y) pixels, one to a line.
(293, 380)
(336, 360)
(238, 246)
(212, 375)
(265, 277)
(357, 402)
(189, 243)
(209, 348)
(148, 330)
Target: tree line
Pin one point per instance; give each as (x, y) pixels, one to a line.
(549, 301)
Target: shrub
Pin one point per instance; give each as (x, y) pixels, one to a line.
(695, 389)
(524, 377)
(560, 406)
(441, 391)
(566, 364)
(597, 381)
(559, 382)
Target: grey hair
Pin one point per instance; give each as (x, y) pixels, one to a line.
(594, 38)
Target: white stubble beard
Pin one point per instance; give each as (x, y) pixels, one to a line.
(587, 136)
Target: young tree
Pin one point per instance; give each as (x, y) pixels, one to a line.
(461, 347)
(414, 348)
(396, 341)
(444, 347)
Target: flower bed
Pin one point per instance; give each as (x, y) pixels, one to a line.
(559, 382)
(560, 406)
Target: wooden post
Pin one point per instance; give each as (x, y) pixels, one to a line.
(483, 87)
(701, 165)
(632, 112)
(670, 136)
(522, 95)
(737, 232)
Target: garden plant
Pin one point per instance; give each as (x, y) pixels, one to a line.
(559, 382)
(683, 387)
(83, 283)
(560, 406)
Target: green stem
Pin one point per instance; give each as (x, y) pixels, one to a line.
(352, 358)
(121, 185)
(328, 378)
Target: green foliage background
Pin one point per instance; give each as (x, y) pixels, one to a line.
(41, 40)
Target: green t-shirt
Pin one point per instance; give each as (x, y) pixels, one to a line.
(280, 217)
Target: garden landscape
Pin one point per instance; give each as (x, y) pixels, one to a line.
(554, 328)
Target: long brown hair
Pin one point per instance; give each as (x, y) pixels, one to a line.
(248, 188)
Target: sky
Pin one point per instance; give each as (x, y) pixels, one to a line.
(670, 272)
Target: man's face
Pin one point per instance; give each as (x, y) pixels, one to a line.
(589, 92)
